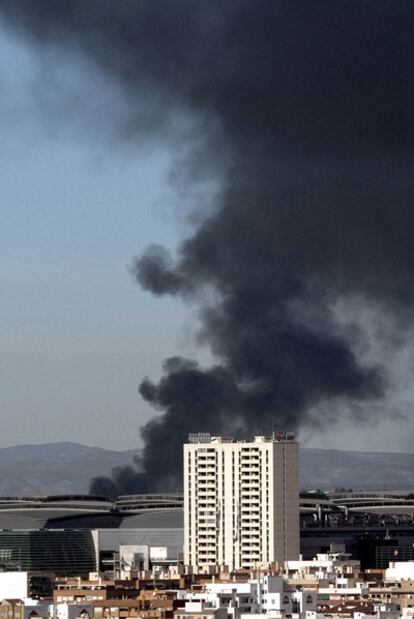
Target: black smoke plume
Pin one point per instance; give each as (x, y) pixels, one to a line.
(305, 112)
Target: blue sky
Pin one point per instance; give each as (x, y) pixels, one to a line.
(77, 334)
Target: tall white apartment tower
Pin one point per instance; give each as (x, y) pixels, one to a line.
(241, 502)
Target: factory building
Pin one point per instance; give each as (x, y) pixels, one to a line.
(241, 502)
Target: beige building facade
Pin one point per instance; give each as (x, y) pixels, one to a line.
(241, 502)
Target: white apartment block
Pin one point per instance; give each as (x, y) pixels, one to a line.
(263, 595)
(241, 502)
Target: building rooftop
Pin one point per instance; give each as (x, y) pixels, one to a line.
(275, 437)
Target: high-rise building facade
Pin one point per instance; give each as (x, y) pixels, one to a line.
(241, 502)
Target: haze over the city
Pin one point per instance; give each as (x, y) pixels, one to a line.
(104, 156)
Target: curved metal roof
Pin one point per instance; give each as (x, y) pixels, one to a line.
(155, 519)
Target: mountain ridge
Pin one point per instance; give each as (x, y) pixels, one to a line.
(66, 467)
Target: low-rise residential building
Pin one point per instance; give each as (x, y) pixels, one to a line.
(329, 587)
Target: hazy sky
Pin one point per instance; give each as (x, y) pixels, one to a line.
(79, 200)
(77, 335)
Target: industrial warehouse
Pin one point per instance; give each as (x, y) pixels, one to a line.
(374, 527)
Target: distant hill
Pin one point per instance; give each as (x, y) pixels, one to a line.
(66, 468)
(55, 468)
(329, 468)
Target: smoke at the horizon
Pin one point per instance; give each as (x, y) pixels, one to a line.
(306, 113)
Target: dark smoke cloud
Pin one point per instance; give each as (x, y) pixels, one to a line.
(313, 103)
